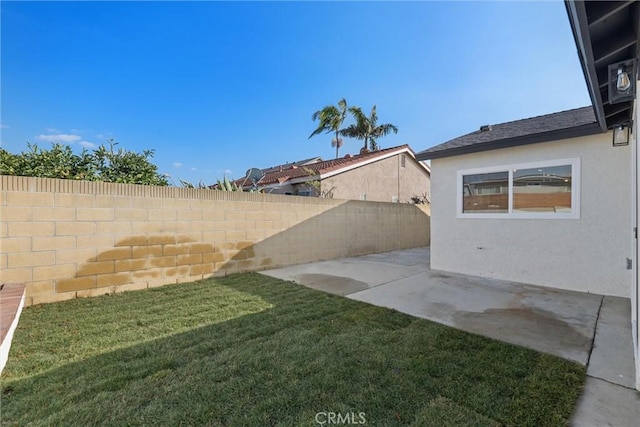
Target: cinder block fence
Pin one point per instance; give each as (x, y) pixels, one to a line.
(66, 239)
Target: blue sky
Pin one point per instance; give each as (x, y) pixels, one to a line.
(218, 87)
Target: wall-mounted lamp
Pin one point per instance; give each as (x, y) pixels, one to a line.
(622, 81)
(620, 135)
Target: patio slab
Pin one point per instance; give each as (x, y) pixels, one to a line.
(606, 404)
(611, 359)
(349, 275)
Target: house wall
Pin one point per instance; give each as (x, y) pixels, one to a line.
(281, 189)
(66, 239)
(381, 181)
(588, 254)
(635, 290)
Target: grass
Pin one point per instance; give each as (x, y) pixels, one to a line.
(251, 350)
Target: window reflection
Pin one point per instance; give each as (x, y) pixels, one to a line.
(486, 192)
(546, 189)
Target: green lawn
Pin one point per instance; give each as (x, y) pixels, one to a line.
(251, 350)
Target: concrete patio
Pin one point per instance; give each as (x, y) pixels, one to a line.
(590, 329)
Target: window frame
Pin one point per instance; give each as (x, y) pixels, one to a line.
(510, 214)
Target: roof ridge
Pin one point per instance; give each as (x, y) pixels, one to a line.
(540, 116)
(360, 155)
(323, 166)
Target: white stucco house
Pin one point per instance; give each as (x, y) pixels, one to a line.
(552, 213)
(552, 200)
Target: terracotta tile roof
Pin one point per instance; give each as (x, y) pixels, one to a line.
(288, 165)
(293, 171)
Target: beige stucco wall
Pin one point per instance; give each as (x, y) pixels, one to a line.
(588, 254)
(66, 239)
(381, 181)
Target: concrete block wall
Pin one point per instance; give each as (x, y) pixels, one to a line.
(66, 239)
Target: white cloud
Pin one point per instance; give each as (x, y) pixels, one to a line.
(51, 130)
(177, 165)
(87, 144)
(60, 137)
(194, 169)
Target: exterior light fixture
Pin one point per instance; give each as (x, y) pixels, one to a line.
(622, 81)
(620, 135)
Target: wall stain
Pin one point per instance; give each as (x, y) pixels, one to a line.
(156, 257)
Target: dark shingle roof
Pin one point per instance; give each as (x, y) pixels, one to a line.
(565, 124)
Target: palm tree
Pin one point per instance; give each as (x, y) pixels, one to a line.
(367, 128)
(336, 142)
(330, 120)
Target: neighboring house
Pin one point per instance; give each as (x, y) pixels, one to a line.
(552, 200)
(389, 175)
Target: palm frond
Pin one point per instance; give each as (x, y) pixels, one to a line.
(352, 131)
(373, 117)
(384, 130)
(357, 114)
(330, 118)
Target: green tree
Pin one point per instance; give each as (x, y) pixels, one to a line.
(330, 120)
(126, 166)
(103, 164)
(57, 162)
(367, 128)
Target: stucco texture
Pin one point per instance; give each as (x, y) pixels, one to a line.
(383, 181)
(587, 254)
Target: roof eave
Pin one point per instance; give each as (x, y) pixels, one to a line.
(578, 21)
(573, 132)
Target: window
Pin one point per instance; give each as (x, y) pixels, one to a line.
(486, 192)
(531, 190)
(403, 161)
(544, 189)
